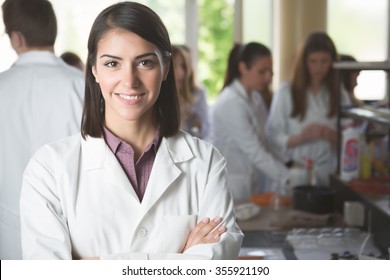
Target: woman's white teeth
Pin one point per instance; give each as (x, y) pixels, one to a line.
(130, 97)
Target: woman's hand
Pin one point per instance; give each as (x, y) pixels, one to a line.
(204, 232)
(313, 131)
(330, 135)
(310, 132)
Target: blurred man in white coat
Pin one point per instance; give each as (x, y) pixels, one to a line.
(40, 101)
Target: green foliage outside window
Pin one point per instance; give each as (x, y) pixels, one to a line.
(215, 41)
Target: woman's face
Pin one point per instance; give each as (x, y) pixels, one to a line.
(130, 71)
(259, 75)
(180, 71)
(318, 64)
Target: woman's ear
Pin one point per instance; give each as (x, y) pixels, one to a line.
(94, 72)
(242, 67)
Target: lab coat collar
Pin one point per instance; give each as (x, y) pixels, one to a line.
(177, 147)
(37, 57)
(165, 171)
(96, 151)
(172, 150)
(239, 88)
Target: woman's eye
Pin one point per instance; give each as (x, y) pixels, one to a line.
(111, 64)
(146, 63)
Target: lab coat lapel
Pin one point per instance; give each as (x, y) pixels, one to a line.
(165, 171)
(254, 111)
(99, 157)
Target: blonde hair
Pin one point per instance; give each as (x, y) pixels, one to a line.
(185, 94)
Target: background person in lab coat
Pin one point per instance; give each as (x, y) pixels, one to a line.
(192, 98)
(302, 120)
(132, 185)
(40, 101)
(238, 125)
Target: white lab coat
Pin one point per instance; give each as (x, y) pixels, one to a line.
(40, 101)
(200, 110)
(281, 126)
(77, 202)
(239, 136)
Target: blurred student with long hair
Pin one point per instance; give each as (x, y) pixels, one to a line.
(302, 121)
(192, 98)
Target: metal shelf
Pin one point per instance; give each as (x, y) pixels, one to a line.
(376, 115)
(381, 115)
(383, 65)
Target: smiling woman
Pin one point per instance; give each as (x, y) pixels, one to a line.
(130, 80)
(132, 186)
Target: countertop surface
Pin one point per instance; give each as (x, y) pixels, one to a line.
(286, 218)
(285, 233)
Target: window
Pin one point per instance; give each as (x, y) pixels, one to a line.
(75, 18)
(214, 42)
(257, 21)
(360, 28)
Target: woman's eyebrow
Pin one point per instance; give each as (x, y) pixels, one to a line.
(110, 56)
(137, 57)
(146, 54)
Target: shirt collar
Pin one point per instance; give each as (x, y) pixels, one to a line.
(38, 57)
(114, 142)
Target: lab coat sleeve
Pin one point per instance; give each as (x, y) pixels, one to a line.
(216, 201)
(238, 125)
(276, 126)
(40, 205)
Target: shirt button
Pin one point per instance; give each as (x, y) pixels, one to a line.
(142, 232)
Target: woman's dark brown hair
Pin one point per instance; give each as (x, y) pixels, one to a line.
(300, 80)
(247, 53)
(139, 19)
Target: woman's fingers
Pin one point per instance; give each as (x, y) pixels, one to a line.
(207, 231)
(207, 228)
(215, 235)
(201, 225)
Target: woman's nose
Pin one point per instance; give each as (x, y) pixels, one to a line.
(130, 77)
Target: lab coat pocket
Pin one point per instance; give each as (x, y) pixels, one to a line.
(176, 230)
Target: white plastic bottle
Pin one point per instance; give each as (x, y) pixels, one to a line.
(349, 167)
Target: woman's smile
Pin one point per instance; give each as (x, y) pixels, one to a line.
(130, 97)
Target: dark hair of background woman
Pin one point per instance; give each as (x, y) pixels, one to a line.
(243, 53)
